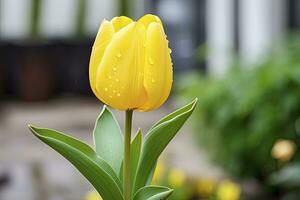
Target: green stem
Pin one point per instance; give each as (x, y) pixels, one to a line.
(126, 164)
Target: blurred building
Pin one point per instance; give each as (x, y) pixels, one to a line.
(250, 28)
(48, 41)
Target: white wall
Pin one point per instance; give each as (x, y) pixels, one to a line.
(14, 18)
(262, 25)
(220, 34)
(97, 11)
(57, 17)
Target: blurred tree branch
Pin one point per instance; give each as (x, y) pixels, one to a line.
(124, 7)
(80, 19)
(35, 18)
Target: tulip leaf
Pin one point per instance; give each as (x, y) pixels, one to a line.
(153, 193)
(121, 172)
(108, 139)
(175, 113)
(156, 141)
(288, 176)
(85, 159)
(135, 152)
(151, 174)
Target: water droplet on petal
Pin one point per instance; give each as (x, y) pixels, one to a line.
(109, 77)
(117, 80)
(151, 61)
(110, 96)
(118, 94)
(170, 50)
(114, 69)
(106, 89)
(119, 55)
(153, 80)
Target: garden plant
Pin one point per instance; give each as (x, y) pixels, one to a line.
(249, 121)
(130, 70)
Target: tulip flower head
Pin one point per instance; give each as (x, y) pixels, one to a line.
(228, 190)
(283, 150)
(205, 187)
(130, 65)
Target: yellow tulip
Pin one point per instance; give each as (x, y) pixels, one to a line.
(130, 65)
(205, 187)
(228, 190)
(283, 150)
(176, 178)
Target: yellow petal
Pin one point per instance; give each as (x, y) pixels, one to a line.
(158, 75)
(93, 195)
(104, 36)
(120, 22)
(176, 178)
(120, 75)
(147, 19)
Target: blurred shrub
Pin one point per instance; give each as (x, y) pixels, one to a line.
(241, 115)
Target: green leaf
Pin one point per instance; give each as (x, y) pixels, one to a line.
(175, 113)
(135, 152)
(85, 159)
(121, 173)
(151, 174)
(288, 176)
(108, 139)
(157, 139)
(153, 193)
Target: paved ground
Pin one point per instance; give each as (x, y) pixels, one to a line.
(37, 172)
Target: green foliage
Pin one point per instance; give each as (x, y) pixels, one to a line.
(153, 193)
(101, 166)
(289, 176)
(157, 140)
(288, 179)
(242, 114)
(108, 139)
(136, 147)
(84, 158)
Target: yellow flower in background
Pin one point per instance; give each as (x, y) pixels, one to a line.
(228, 190)
(93, 195)
(158, 173)
(176, 178)
(205, 187)
(283, 150)
(130, 65)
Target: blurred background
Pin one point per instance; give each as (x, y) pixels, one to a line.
(241, 58)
